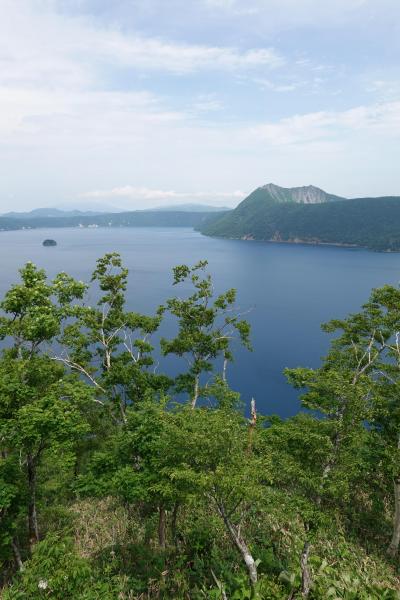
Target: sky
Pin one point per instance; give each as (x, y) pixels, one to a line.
(142, 103)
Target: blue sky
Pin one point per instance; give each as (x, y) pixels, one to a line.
(139, 103)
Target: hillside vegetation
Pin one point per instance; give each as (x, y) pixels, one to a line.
(111, 489)
(368, 222)
(156, 218)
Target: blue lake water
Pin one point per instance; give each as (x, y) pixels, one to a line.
(288, 289)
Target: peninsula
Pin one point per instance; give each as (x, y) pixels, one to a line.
(310, 215)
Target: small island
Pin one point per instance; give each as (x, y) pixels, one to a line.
(49, 243)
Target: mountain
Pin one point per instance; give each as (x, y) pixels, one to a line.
(190, 208)
(270, 213)
(126, 219)
(308, 194)
(39, 213)
(310, 215)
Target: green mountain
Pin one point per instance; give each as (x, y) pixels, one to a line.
(310, 215)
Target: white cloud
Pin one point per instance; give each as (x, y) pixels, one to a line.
(92, 141)
(207, 103)
(143, 53)
(165, 196)
(289, 13)
(78, 117)
(382, 120)
(384, 89)
(69, 120)
(267, 84)
(52, 50)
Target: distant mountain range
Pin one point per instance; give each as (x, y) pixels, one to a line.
(310, 215)
(50, 218)
(40, 213)
(271, 213)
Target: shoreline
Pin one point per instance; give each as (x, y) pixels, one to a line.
(246, 238)
(300, 242)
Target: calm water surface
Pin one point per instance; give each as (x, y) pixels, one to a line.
(289, 289)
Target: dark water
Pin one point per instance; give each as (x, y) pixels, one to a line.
(290, 289)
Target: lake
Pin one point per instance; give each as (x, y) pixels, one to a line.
(289, 290)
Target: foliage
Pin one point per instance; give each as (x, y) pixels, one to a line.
(207, 328)
(368, 222)
(56, 571)
(138, 218)
(113, 486)
(109, 346)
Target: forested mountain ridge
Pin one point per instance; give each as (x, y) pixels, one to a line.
(156, 218)
(270, 213)
(368, 222)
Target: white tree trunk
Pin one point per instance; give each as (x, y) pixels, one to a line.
(240, 545)
(224, 368)
(305, 571)
(394, 544)
(17, 555)
(195, 391)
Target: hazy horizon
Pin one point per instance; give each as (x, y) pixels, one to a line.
(146, 103)
(101, 207)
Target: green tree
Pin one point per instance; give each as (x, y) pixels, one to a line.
(208, 453)
(206, 328)
(371, 339)
(358, 383)
(11, 504)
(38, 407)
(109, 346)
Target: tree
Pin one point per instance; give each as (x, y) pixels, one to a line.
(207, 328)
(11, 506)
(39, 408)
(109, 346)
(241, 507)
(204, 453)
(359, 382)
(372, 337)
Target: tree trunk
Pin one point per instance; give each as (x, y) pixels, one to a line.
(224, 368)
(241, 546)
(32, 514)
(174, 518)
(161, 526)
(252, 425)
(329, 465)
(195, 391)
(305, 571)
(220, 586)
(394, 544)
(17, 555)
